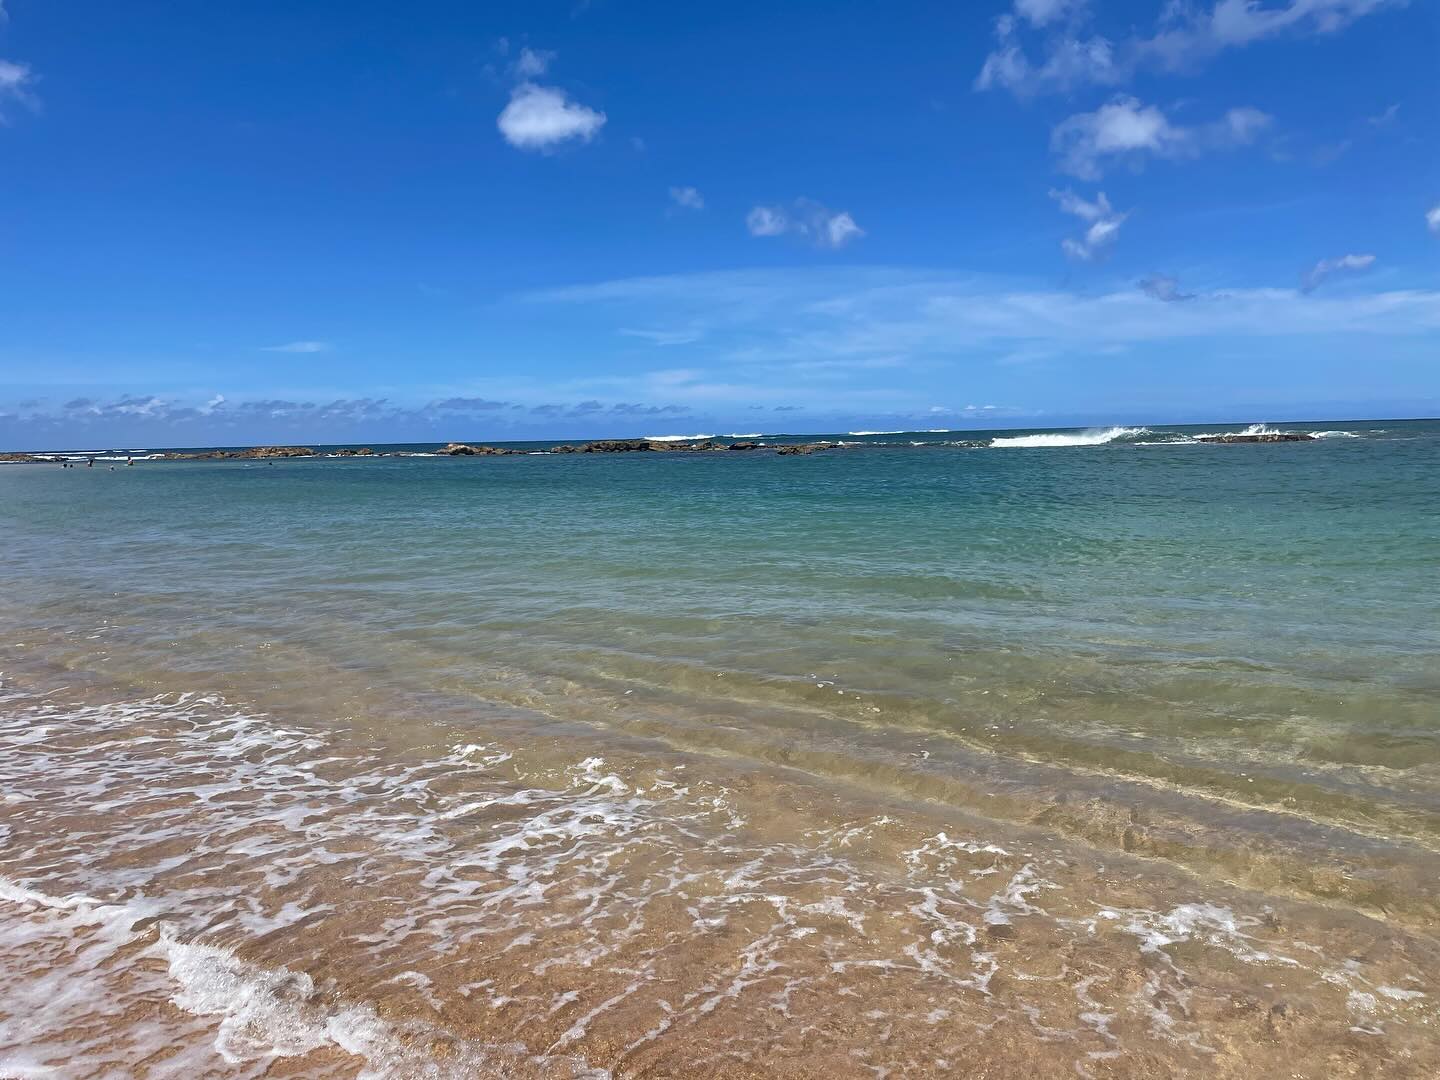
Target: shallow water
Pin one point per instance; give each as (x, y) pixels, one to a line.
(1112, 754)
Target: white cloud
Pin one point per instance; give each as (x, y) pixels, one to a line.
(1184, 35)
(1103, 224)
(542, 117)
(688, 197)
(781, 319)
(822, 226)
(1432, 219)
(533, 63)
(1326, 267)
(767, 221)
(1240, 22)
(1124, 129)
(840, 229)
(1043, 12)
(1386, 118)
(1071, 62)
(16, 81)
(300, 347)
(664, 337)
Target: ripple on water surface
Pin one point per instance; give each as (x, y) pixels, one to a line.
(194, 889)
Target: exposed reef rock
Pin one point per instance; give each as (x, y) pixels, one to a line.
(700, 446)
(456, 449)
(249, 453)
(616, 446)
(459, 449)
(1267, 436)
(276, 451)
(804, 448)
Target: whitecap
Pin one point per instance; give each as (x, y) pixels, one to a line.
(1092, 437)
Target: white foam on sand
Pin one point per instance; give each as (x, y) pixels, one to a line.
(237, 1017)
(202, 933)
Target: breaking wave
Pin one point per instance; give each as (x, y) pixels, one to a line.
(1073, 438)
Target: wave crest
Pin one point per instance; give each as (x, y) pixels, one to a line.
(1093, 437)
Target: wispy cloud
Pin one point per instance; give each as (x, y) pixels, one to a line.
(17, 83)
(1164, 288)
(687, 197)
(300, 347)
(823, 227)
(1103, 224)
(1045, 12)
(1327, 267)
(470, 404)
(532, 63)
(873, 339)
(840, 340)
(311, 419)
(1386, 118)
(1432, 219)
(1184, 36)
(664, 337)
(1124, 130)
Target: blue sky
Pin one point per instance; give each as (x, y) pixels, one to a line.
(336, 221)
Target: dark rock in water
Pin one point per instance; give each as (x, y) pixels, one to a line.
(456, 449)
(364, 451)
(249, 453)
(1268, 436)
(20, 457)
(616, 446)
(803, 448)
(276, 452)
(743, 446)
(681, 447)
(564, 448)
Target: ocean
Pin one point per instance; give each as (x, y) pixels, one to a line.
(1109, 753)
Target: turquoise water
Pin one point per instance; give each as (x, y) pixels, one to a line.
(1220, 661)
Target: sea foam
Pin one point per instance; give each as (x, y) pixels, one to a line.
(1068, 438)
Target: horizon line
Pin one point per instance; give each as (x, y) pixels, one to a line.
(768, 435)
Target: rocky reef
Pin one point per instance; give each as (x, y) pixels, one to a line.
(456, 449)
(1264, 436)
(249, 453)
(633, 446)
(459, 449)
